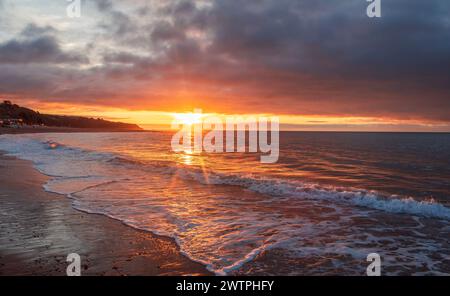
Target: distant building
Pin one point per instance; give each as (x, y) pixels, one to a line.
(12, 123)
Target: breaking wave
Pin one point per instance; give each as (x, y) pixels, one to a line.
(358, 197)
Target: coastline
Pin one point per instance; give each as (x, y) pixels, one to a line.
(43, 129)
(39, 229)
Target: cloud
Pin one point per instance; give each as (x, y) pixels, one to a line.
(37, 45)
(41, 50)
(32, 30)
(301, 54)
(276, 56)
(104, 5)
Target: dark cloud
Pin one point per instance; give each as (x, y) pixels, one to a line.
(33, 30)
(165, 31)
(23, 80)
(335, 39)
(285, 56)
(311, 55)
(104, 5)
(37, 45)
(117, 24)
(44, 49)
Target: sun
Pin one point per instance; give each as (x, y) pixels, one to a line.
(188, 118)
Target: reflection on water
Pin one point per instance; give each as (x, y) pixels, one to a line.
(330, 200)
(186, 157)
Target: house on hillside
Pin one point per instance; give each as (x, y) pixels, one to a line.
(11, 123)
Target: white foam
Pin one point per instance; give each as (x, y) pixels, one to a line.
(359, 197)
(82, 174)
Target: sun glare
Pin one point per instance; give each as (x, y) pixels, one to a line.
(188, 118)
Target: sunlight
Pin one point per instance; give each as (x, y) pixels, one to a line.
(188, 118)
(187, 158)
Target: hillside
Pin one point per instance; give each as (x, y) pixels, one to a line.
(29, 117)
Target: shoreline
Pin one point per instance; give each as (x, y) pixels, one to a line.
(39, 229)
(42, 129)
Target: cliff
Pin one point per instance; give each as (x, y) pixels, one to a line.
(9, 111)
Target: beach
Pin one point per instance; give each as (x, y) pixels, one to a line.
(230, 139)
(332, 199)
(39, 229)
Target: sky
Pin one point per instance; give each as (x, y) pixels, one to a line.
(318, 64)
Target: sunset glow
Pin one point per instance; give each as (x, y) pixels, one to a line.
(188, 118)
(237, 138)
(173, 57)
(163, 119)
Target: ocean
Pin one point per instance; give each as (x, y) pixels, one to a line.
(330, 200)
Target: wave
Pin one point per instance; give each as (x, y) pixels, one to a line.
(120, 160)
(272, 187)
(75, 171)
(358, 197)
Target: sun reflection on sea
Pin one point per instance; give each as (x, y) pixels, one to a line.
(186, 157)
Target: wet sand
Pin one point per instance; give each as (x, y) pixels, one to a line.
(39, 229)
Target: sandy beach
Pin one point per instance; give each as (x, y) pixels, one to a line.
(39, 229)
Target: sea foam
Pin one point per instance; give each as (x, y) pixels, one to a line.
(358, 197)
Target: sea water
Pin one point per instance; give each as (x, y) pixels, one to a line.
(330, 200)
